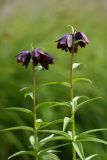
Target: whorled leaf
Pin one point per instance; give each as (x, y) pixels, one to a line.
(24, 88)
(93, 139)
(90, 157)
(66, 84)
(86, 102)
(21, 153)
(76, 65)
(18, 128)
(32, 141)
(20, 110)
(66, 135)
(66, 122)
(51, 156)
(74, 101)
(50, 123)
(79, 149)
(51, 104)
(90, 131)
(30, 94)
(75, 80)
(52, 148)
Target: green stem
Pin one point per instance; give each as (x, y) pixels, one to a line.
(72, 109)
(34, 111)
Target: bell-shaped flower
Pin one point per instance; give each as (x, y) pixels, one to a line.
(24, 58)
(41, 57)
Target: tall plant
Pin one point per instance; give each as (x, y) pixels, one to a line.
(69, 43)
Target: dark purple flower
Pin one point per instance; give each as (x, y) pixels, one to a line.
(71, 42)
(39, 56)
(24, 58)
(65, 42)
(81, 36)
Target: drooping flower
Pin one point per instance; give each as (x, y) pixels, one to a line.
(81, 36)
(39, 56)
(71, 42)
(65, 42)
(24, 58)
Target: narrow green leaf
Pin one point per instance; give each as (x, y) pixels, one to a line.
(76, 65)
(57, 138)
(66, 122)
(38, 68)
(51, 148)
(90, 131)
(52, 156)
(90, 157)
(32, 141)
(86, 102)
(39, 123)
(47, 138)
(19, 128)
(93, 139)
(51, 123)
(21, 153)
(52, 104)
(30, 94)
(74, 101)
(56, 132)
(24, 88)
(79, 149)
(66, 84)
(20, 110)
(75, 80)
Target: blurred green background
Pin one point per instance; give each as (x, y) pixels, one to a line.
(41, 22)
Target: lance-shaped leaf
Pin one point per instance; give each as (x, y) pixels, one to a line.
(86, 102)
(93, 139)
(30, 94)
(45, 140)
(75, 80)
(56, 132)
(21, 153)
(79, 149)
(90, 157)
(74, 101)
(20, 110)
(24, 88)
(52, 104)
(51, 123)
(66, 122)
(91, 131)
(51, 156)
(19, 128)
(66, 84)
(32, 141)
(52, 148)
(76, 65)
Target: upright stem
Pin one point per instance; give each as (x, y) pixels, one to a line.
(34, 111)
(72, 109)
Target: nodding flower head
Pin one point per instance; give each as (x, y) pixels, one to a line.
(71, 42)
(38, 57)
(65, 42)
(41, 57)
(83, 39)
(24, 58)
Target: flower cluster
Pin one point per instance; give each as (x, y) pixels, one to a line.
(71, 42)
(38, 57)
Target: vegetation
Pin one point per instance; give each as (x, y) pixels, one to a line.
(41, 23)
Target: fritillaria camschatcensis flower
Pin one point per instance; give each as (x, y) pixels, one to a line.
(38, 56)
(71, 42)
